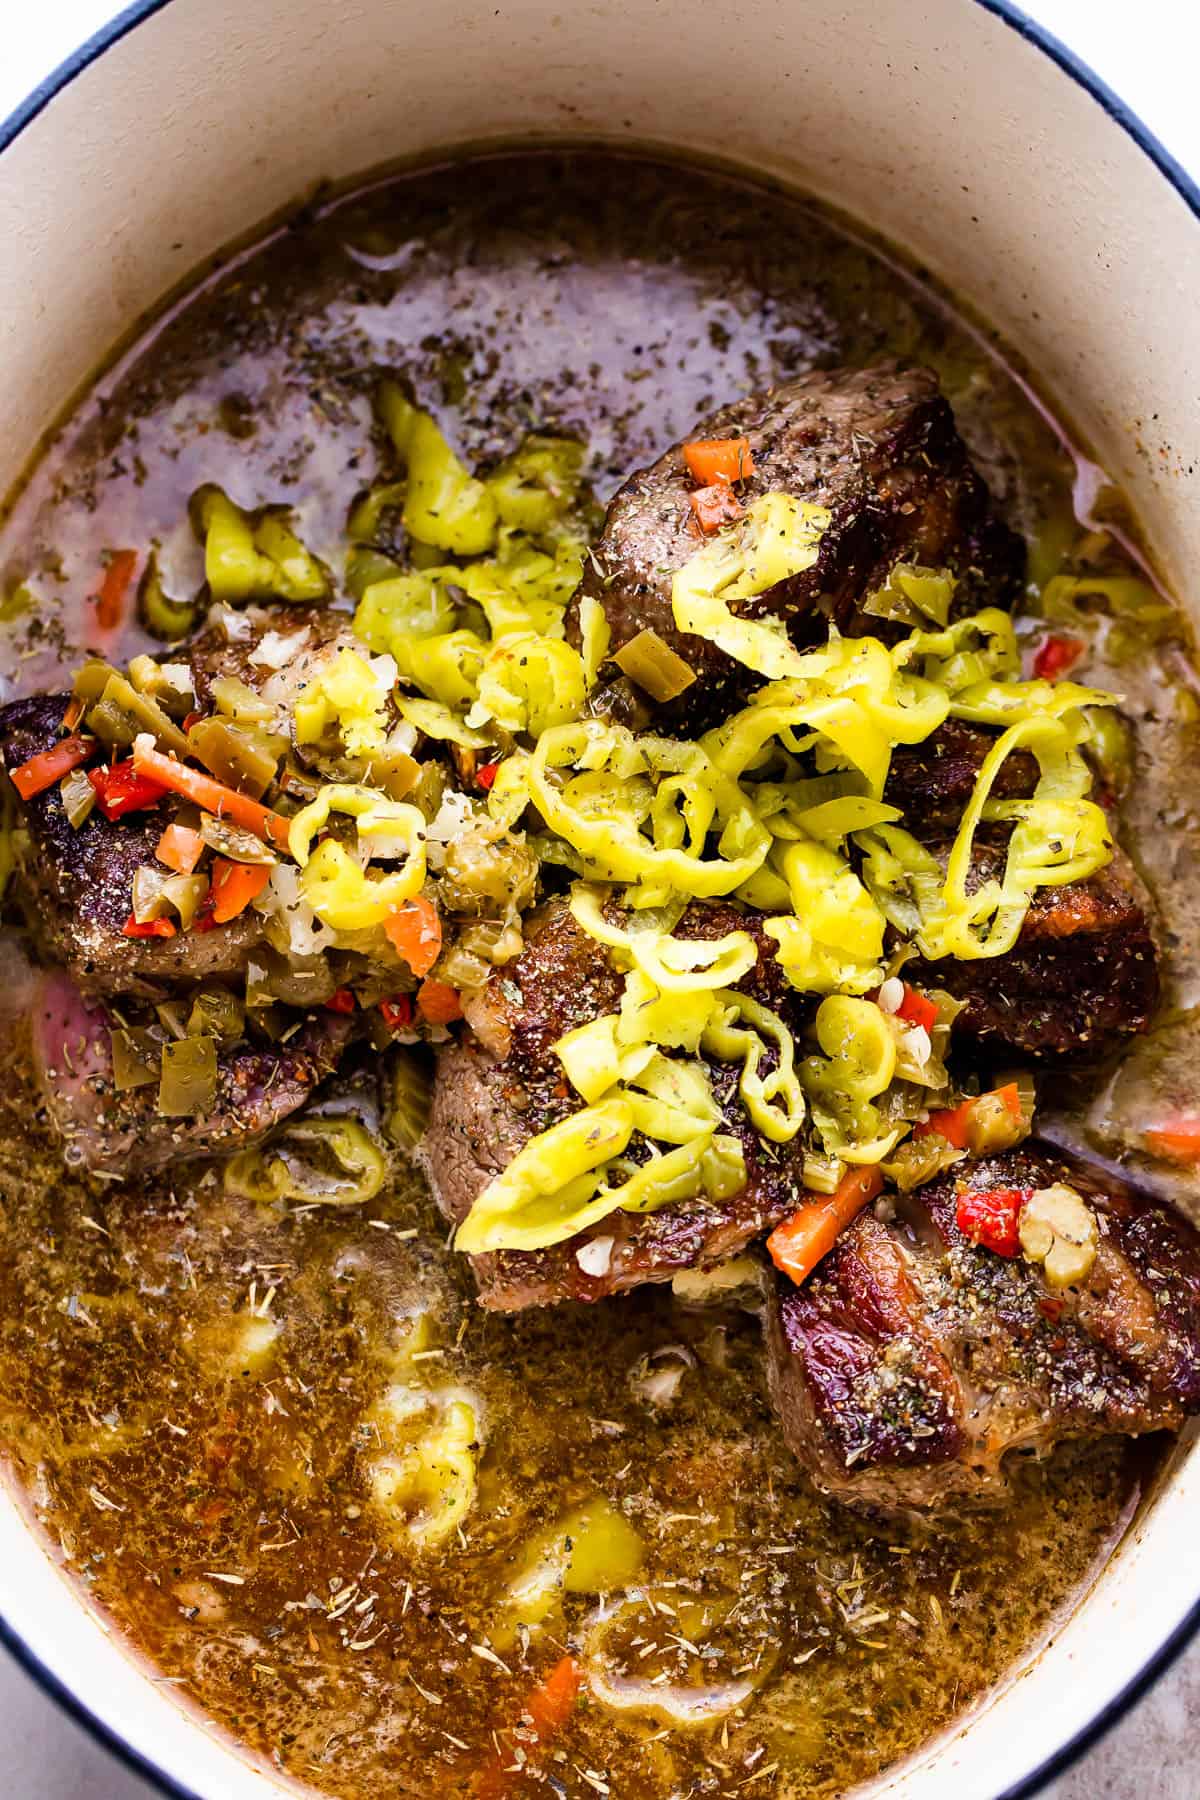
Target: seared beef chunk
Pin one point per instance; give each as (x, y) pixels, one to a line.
(911, 1363)
(1082, 976)
(76, 884)
(120, 1133)
(932, 782)
(263, 642)
(502, 1084)
(879, 448)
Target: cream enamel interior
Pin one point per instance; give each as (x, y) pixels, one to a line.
(939, 126)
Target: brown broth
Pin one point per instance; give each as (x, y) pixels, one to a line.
(214, 1505)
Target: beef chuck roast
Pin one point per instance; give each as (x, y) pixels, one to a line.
(931, 782)
(121, 1133)
(911, 1363)
(879, 448)
(283, 645)
(1081, 977)
(502, 1084)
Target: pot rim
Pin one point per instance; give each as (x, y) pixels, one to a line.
(1188, 189)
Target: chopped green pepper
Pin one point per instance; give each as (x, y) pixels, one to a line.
(117, 712)
(188, 1084)
(217, 1013)
(241, 758)
(135, 1058)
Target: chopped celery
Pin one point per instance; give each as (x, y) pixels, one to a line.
(186, 894)
(78, 797)
(652, 663)
(410, 1093)
(240, 702)
(117, 712)
(170, 684)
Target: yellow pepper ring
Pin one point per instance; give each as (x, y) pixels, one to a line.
(855, 1033)
(338, 889)
(614, 847)
(548, 1191)
(775, 1103)
(674, 965)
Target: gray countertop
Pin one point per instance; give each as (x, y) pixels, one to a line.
(1152, 1754)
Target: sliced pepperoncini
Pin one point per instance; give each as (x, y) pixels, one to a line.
(337, 887)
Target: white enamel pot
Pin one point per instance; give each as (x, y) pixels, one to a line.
(954, 128)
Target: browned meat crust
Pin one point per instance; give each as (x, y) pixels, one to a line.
(879, 448)
(910, 1365)
(932, 781)
(503, 1084)
(214, 652)
(76, 885)
(121, 1133)
(1082, 976)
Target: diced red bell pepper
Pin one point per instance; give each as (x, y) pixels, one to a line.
(397, 1013)
(342, 1001)
(204, 920)
(991, 1217)
(1056, 655)
(121, 789)
(147, 928)
(917, 1009)
(485, 775)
